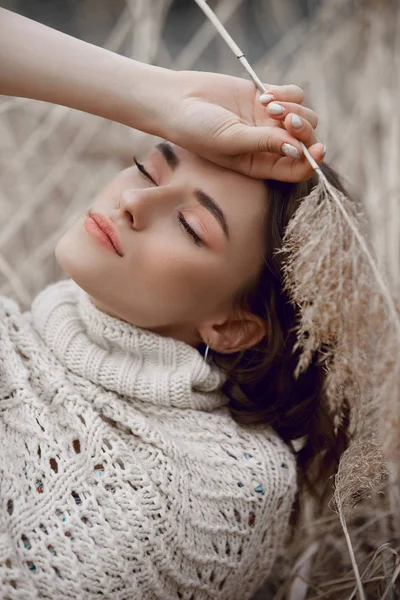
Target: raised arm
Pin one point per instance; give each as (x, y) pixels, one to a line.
(217, 116)
(45, 64)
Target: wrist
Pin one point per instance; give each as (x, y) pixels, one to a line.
(150, 96)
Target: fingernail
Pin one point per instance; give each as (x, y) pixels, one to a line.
(296, 121)
(290, 150)
(275, 109)
(265, 98)
(324, 151)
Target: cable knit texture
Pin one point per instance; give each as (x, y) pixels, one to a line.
(122, 474)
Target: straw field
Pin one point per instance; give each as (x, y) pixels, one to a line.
(346, 56)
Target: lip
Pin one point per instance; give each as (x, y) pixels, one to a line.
(109, 229)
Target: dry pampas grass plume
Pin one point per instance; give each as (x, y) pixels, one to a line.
(347, 315)
(349, 318)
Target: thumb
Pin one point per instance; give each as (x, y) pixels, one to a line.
(241, 138)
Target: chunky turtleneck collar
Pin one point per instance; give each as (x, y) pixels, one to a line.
(121, 357)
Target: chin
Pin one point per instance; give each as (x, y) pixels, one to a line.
(86, 269)
(77, 262)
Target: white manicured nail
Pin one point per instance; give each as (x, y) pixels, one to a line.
(324, 150)
(275, 109)
(296, 121)
(290, 150)
(265, 98)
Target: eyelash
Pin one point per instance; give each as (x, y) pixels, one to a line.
(181, 218)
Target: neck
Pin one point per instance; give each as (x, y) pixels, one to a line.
(183, 332)
(139, 364)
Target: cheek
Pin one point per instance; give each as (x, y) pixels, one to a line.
(173, 269)
(168, 259)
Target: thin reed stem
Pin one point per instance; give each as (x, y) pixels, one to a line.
(351, 553)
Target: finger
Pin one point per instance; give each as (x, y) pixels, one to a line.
(240, 138)
(299, 170)
(305, 133)
(279, 110)
(262, 165)
(269, 166)
(286, 93)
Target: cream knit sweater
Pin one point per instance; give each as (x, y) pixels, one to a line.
(122, 474)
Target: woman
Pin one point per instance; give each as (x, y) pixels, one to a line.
(132, 466)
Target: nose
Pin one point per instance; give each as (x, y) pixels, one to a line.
(140, 206)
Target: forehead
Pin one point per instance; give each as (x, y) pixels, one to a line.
(242, 199)
(236, 193)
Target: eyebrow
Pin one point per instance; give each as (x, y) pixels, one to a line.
(202, 198)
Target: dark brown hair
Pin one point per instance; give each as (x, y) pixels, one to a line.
(260, 384)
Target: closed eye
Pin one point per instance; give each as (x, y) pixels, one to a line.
(197, 239)
(143, 170)
(181, 218)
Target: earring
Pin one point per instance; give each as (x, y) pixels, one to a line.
(205, 355)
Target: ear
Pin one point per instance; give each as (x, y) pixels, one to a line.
(234, 334)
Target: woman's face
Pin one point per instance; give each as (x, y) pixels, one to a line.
(168, 281)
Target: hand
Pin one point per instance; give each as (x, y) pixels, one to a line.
(221, 118)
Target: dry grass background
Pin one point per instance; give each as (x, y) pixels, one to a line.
(346, 56)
